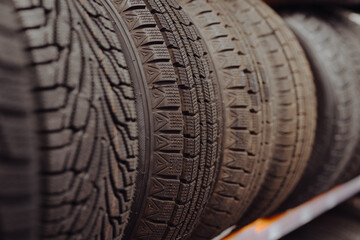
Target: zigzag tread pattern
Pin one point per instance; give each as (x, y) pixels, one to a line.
(294, 105)
(247, 128)
(185, 112)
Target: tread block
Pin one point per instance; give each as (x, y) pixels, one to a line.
(87, 117)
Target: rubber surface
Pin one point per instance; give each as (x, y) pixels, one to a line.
(352, 33)
(338, 110)
(294, 102)
(247, 116)
(186, 120)
(332, 226)
(87, 114)
(19, 204)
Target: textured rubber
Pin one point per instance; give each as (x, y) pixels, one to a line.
(338, 111)
(294, 102)
(87, 114)
(186, 117)
(352, 32)
(247, 116)
(332, 226)
(18, 143)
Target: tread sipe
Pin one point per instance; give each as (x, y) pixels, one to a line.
(338, 111)
(247, 130)
(185, 111)
(294, 102)
(87, 113)
(18, 142)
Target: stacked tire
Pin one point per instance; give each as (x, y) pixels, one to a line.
(165, 119)
(331, 43)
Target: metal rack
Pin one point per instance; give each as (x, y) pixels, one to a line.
(278, 226)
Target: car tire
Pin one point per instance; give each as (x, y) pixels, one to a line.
(179, 169)
(294, 103)
(19, 203)
(338, 106)
(87, 121)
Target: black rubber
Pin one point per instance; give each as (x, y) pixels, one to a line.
(352, 33)
(338, 106)
(294, 102)
(179, 170)
(247, 116)
(87, 119)
(19, 205)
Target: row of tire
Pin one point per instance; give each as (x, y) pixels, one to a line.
(164, 119)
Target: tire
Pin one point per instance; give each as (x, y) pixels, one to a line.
(352, 33)
(330, 226)
(179, 168)
(294, 102)
(87, 119)
(19, 205)
(338, 111)
(247, 116)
